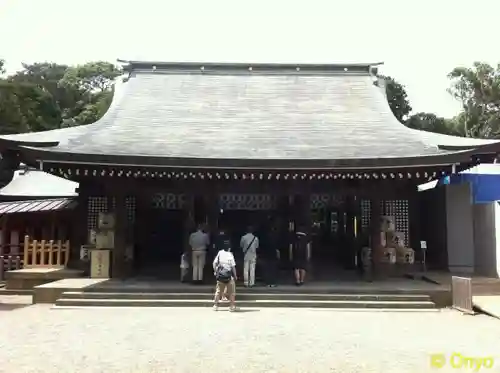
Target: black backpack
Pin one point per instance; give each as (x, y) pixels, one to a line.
(223, 274)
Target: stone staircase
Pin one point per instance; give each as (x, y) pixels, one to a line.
(246, 298)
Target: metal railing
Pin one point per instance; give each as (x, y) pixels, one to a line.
(461, 289)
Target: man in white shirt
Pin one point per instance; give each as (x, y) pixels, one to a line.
(249, 243)
(224, 267)
(199, 241)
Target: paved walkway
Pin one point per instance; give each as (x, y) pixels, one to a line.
(40, 339)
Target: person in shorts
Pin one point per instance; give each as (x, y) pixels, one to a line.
(225, 272)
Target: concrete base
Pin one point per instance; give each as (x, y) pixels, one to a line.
(28, 278)
(51, 292)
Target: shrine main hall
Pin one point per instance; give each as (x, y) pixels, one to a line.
(232, 144)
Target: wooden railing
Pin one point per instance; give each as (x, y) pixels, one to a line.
(45, 253)
(9, 263)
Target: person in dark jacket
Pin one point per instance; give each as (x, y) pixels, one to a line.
(300, 254)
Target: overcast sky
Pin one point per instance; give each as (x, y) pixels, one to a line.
(419, 41)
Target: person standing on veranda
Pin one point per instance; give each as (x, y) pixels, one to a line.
(199, 242)
(300, 255)
(249, 243)
(269, 254)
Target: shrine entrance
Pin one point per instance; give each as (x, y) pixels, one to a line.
(159, 233)
(239, 211)
(336, 230)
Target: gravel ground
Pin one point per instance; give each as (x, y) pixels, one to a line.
(41, 339)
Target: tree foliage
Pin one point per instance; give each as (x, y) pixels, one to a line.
(432, 123)
(47, 95)
(478, 90)
(401, 108)
(397, 98)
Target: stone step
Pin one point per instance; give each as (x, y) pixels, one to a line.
(260, 303)
(197, 289)
(4, 291)
(248, 296)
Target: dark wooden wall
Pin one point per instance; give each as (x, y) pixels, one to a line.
(433, 228)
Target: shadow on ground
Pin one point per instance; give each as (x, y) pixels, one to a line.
(12, 306)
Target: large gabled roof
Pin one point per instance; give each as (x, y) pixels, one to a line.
(248, 115)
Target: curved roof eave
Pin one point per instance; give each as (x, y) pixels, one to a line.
(448, 142)
(447, 158)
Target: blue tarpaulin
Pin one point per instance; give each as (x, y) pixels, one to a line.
(484, 180)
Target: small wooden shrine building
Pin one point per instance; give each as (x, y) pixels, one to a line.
(37, 206)
(234, 144)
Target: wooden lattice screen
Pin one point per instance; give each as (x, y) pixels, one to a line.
(399, 209)
(247, 201)
(100, 204)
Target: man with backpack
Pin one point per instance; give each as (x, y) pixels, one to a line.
(225, 273)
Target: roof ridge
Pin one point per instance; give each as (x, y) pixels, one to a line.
(248, 66)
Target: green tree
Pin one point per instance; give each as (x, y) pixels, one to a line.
(478, 90)
(432, 123)
(47, 95)
(401, 108)
(2, 64)
(26, 107)
(94, 81)
(397, 98)
(91, 77)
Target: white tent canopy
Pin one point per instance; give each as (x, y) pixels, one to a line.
(35, 183)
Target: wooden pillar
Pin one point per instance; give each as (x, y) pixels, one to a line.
(52, 234)
(3, 234)
(189, 223)
(375, 242)
(302, 210)
(212, 205)
(79, 233)
(350, 250)
(414, 212)
(119, 268)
